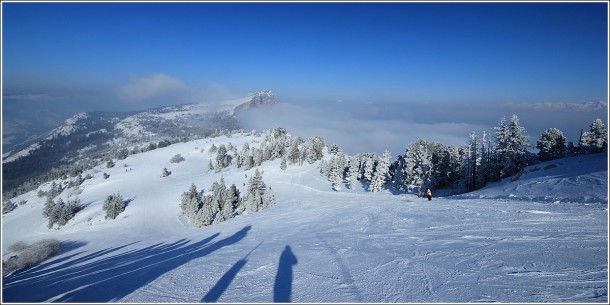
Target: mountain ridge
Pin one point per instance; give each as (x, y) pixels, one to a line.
(87, 134)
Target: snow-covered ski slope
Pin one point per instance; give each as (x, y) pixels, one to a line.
(541, 238)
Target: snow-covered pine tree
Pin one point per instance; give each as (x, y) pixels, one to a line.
(353, 171)
(551, 145)
(210, 166)
(519, 144)
(313, 149)
(336, 170)
(205, 215)
(249, 163)
(222, 159)
(190, 202)
(294, 152)
(113, 205)
(268, 199)
(368, 168)
(501, 155)
(596, 139)
(233, 197)
(283, 165)
(418, 166)
(381, 173)
(257, 154)
(237, 161)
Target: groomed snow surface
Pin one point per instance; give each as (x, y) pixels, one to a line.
(541, 238)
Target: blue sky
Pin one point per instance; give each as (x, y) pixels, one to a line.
(407, 55)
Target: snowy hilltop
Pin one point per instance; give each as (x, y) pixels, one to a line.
(87, 135)
(261, 217)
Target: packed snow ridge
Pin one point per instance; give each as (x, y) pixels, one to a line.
(538, 237)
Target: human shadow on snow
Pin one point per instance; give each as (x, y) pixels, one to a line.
(282, 289)
(107, 275)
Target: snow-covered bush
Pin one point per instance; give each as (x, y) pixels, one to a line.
(113, 205)
(29, 255)
(8, 206)
(177, 159)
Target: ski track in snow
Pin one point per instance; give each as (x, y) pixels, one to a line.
(314, 245)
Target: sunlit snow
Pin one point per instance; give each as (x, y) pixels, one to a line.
(540, 238)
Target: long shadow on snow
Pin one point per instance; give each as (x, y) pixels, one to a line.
(282, 289)
(223, 283)
(89, 279)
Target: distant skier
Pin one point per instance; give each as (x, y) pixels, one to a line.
(429, 194)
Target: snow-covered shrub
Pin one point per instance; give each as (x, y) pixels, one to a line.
(177, 159)
(113, 205)
(8, 206)
(106, 176)
(109, 164)
(29, 255)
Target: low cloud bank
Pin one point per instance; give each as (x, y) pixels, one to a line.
(353, 131)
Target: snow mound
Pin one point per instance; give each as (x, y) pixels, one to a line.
(581, 179)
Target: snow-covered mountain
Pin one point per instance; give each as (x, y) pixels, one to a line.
(537, 238)
(96, 133)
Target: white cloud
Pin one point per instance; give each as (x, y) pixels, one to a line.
(356, 133)
(148, 87)
(28, 97)
(560, 106)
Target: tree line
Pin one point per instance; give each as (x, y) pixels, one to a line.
(484, 158)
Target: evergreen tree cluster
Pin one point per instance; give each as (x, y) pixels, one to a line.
(59, 212)
(484, 158)
(222, 203)
(113, 205)
(276, 144)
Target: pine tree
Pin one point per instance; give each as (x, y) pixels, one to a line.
(381, 173)
(268, 199)
(518, 145)
(222, 159)
(353, 171)
(596, 139)
(191, 201)
(293, 152)
(368, 168)
(113, 205)
(551, 145)
(418, 166)
(210, 166)
(283, 165)
(336, 168)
